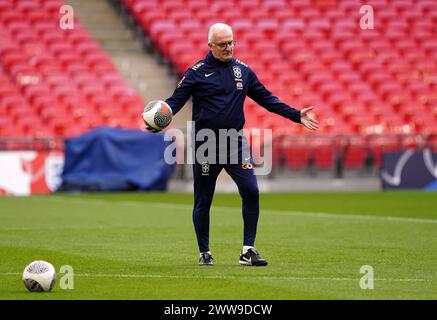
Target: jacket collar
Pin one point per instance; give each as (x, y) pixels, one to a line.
(211, 60)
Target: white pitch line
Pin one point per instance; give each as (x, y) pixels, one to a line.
(223, 277)
(322, 215)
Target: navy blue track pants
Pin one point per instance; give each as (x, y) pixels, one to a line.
(205, 177)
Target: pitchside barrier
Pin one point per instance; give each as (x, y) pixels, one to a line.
(30, 165)
(36, 165)
(409, 170)
(337, 153)
(104, 159)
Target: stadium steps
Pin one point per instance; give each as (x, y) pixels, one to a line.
(150, 79)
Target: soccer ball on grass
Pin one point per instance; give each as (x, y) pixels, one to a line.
(39, 276)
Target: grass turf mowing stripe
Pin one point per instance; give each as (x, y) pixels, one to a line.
(323, 215)
(224, 277)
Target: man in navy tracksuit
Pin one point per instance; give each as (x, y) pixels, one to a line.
(219, 85)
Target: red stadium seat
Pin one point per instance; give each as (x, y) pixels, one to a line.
(323, 155)
(356, 153)
(297, 157)
(380, 145)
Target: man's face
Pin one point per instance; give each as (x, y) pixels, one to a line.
(222, 45)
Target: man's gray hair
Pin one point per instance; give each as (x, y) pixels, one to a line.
(216, 27)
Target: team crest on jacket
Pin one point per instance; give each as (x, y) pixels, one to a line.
(237, 72)
(205, 168)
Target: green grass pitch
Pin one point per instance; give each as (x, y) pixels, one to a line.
(142, 246)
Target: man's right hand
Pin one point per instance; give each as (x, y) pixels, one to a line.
(151, 129)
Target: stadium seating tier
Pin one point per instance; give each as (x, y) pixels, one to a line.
(320, 43)
(52, 80)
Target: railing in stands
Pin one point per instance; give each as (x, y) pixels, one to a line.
(39, 144)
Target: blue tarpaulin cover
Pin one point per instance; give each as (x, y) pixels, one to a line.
(111, 159)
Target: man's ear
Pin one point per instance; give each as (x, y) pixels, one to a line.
(209, 45)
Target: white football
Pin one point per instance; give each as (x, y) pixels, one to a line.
(157, 114)
(39, 276)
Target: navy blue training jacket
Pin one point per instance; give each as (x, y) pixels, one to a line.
(219, 89)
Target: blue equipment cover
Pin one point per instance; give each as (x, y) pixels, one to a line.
(110, 159)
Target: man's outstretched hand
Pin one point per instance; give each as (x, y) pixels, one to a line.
(307, 121)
